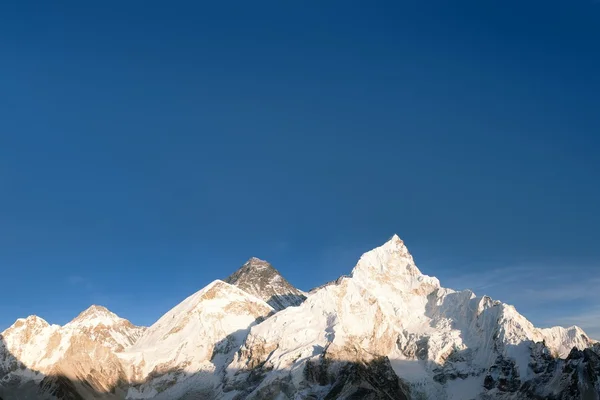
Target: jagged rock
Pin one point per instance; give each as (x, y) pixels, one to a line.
(260, 279)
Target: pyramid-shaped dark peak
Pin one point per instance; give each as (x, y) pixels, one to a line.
(253, 272)
(259, 278)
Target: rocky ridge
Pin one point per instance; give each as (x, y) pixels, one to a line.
(260, 279)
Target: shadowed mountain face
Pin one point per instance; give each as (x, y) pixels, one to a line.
(386, 331)
(324, 378)
(260, 279)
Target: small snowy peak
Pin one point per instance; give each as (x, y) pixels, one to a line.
(26, 330)
(29, 339)
(259, 278)
(95, 309)
(105, 327)
(96, 315)
(562, 340)
(87, 345)
(31, 322)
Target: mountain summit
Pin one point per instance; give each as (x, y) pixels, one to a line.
(96, 315)
(259, 278)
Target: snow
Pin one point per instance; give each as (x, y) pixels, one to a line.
(94, 316)
(387, 307)
(39, 345)
(196, 335)
(464, 389)
(440, 341)
(564, 339)
(29, 352)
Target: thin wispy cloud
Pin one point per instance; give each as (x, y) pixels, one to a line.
(80, 281)
(583, 290)
(478, 281)
(547, 295)
(533, 283)
(589, 321)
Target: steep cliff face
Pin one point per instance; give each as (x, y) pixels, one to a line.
(386, 331)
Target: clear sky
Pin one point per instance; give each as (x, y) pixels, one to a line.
(148, 148)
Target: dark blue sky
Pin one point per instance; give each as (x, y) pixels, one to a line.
(148, 148)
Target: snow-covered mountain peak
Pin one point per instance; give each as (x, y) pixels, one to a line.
(392, 264)
(96, 315)
(215, 298)
(27, 339)
(562, 340)
(259, 278)
(105, 327)
(30, 322)
(395, 244)
(393, 254)
(25, 329)
(83, 350)
(95, 310)
(209, 325)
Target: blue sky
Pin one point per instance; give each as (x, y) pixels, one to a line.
(149, 148)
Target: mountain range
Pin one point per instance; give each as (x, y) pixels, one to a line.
(385, 331)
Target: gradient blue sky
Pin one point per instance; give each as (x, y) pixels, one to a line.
(147, 148)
